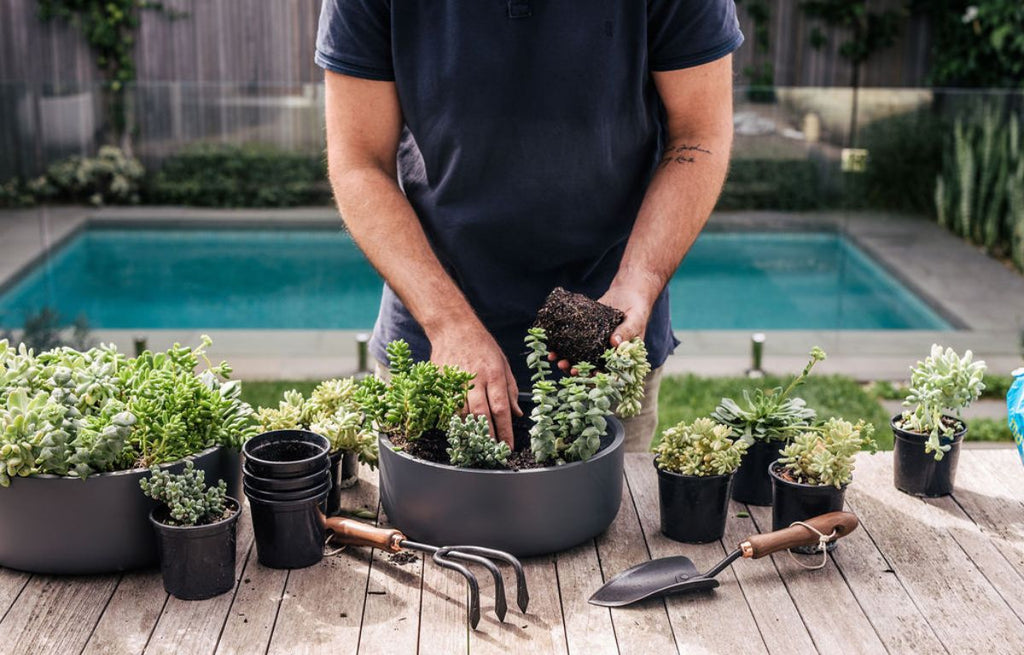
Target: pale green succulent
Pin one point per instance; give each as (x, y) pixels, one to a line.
(470, 444)
(628, 366)
(769, 415)
(825, 454)
(702, 448)
(188, 499)
(943, 383)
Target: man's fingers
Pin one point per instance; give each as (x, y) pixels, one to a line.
(501, 413)
(478, 405)
(627, 330)
(564, 365)
(513, 392)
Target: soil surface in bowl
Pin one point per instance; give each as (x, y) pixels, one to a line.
(286, 451)
(432, 446)
(578, 329)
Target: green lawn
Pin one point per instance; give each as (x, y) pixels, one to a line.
(686, 397)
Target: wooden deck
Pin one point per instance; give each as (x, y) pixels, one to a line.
(933, 576)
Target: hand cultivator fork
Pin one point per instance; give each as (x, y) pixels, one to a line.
(355, 533)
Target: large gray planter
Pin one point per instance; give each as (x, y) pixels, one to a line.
(528, 512)
(65, 525)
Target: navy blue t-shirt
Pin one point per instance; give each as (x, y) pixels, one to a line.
(532, 130)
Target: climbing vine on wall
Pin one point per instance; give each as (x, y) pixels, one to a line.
(109, 27)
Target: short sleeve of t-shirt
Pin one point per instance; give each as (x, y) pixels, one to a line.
(354, 38)
(685, 33)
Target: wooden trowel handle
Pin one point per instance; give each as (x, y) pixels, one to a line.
(843, 523)
(357, 533)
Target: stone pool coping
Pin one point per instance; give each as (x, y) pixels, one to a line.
(980, 296)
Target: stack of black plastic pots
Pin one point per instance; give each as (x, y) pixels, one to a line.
(286, 478)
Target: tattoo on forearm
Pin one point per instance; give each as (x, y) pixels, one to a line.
(682, 154)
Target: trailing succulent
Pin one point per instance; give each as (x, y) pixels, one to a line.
(702, 448)
(570, 415)
(331, 410)
(66, 412)
(189, 501)
(769, 414)
(943, 382)
(824, 455)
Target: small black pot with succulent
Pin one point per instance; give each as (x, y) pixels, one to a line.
(812, 473)
(695, 466)
(928, 435)
(444, 478)
(196, 527)
(766, 421)
(331, 411)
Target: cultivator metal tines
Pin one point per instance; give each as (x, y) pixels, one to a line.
(355, 533)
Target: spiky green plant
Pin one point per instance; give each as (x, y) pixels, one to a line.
(189, 501)
(944, 382)
(769, 415)
(470, 444)
(825, 455)
(702, 448)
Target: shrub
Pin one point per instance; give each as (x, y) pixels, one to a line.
(111, 177)
(250, 175)
(791, 184)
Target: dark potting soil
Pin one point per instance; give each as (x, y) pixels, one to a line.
(579, 329)
(432, 446)
(286, 451)
(402, 558)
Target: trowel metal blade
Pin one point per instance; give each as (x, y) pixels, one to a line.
(660, 577)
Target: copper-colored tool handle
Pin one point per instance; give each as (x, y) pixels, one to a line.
(356, 533)
(843, 523)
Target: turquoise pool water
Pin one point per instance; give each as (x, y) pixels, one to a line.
(318, 279)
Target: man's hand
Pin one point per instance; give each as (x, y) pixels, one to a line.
(494, 393)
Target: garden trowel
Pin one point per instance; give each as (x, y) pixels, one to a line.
(678, 575)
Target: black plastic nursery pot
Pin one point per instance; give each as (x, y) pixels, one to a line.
(795, 501)
(285, 453)
(693, 508)
(299, 494)
(526, 512)
(916, 472)
(289, 534)
(344, 475)
(310, 481)
(197, 562)
(751, 484)
(65, 525)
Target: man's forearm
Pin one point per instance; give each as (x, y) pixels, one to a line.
(386, 228)
(675, 208)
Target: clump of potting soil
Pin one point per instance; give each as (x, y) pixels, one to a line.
(402, 558)
(578, 329)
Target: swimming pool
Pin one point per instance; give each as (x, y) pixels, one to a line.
(137, 278)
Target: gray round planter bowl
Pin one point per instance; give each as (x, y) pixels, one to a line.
(528, 512)
(66, 525)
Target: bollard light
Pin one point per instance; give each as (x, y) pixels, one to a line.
(756, 355)
(363, 352)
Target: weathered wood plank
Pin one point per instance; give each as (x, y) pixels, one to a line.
(588, 628)
(940, 577)
(130, 616)
(323, 604)
(443, 623)
(774, 611)
(826, 604)
(899, 623)
(391, 614)
(11, 585)
(250, 620)
(56, 614)
(644, 629)
(715, 621)
(540, 631)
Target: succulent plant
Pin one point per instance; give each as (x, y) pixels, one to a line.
(825, 454)
(332, 410)
(769, 414)
(189, 501)
(943, 382)
(570, 416)
(702, 448)
(470, 444)
(627, 364)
